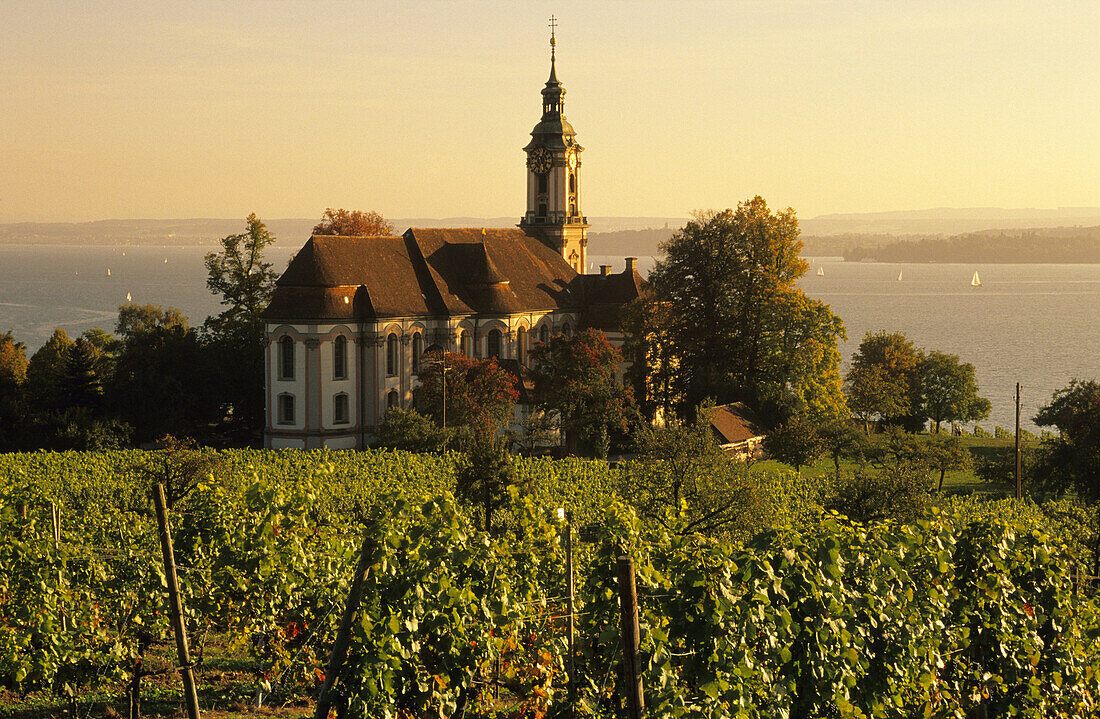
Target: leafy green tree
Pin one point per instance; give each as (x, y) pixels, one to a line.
(734, 324)
(680, 467)
(575, 382)
(353, 223)
(163, 380)
(900, 491)
(483, 478)
(795, 442)
(408, 430)
(236, 337)
(948, 390)
(946, 454)
(840, 440)
(81, 386)
(107, 348)
(1070, 459)
(884, 378)
(46, 373)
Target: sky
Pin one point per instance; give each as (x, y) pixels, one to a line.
(150, 109)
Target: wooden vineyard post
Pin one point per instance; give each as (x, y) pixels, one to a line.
(570, 625)
(343, 635)
(175, 606)
(1019, 467)
(628, 605)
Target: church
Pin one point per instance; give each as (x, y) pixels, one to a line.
(352, 317)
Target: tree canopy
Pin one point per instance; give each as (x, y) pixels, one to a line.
(479, 393)
(726, 320)
(353, 223)
(884, 378)
(1070, 460)
(575, 383)
(949, 392)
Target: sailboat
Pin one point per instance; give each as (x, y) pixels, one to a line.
(108, 271)
(899, 276)
(129, 298)
(976, 281)
(820, 271)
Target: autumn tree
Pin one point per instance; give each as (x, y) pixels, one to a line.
(575, 384)
(353, 223)
(235, 338)
(734, 324)
(795, 442)
(13, 375)
(949, 392)
(884, 378)
(480, 394)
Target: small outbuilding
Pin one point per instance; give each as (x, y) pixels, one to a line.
(738, 431)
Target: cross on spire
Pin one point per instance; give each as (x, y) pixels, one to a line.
(553, 24)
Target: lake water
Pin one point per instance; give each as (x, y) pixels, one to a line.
(1034, 324)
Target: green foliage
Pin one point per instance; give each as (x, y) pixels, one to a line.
(884, 380)
(795, 442)
(483, 479)
(900, 491)
(726, 320)
(410, 431)
(681, 473)
(456, 391)
(46, 373)
(948, 390)
(1071, 460)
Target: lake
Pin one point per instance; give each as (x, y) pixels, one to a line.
(1033, 324)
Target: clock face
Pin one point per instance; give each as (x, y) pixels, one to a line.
(540, 160)
(572, 160)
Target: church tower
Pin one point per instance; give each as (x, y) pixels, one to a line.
(554, 176)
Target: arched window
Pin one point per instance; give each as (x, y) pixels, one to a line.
(492, 344)
(340, 409)
(391, 355)
(392, 400)
(544, 333)
(567, 330)
(542, 182)
(417, 350)
(464, 345)
(572, 184)
(340, 357)
(286, 357)
(285, 409)
(521, 345)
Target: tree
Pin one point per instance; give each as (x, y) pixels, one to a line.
(682, 471)
(483, 477)
(480, 394)
(163, 382)
(731, 315)
(353, 223)
(575, 382)
(236, 337)
(13, 375)
(408, 430)
(81, 385)
(46, 372)
(795, 442)
(884, 378)
(948, 390)
(1070, 460)
(840, 440)
(945, 454)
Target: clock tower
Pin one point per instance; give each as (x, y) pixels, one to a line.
(554, 176)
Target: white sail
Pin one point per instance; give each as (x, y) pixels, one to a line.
(899, 276)
(108, 271)
(820, 271)
(129, 298)
(976, 281)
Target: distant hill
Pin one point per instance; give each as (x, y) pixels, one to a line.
(1031, 246)
(947, 221)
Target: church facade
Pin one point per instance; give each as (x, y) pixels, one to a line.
(352, 317)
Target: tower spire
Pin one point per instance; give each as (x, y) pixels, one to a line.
(553, 48)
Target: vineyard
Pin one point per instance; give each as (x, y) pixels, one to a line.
(977, 605)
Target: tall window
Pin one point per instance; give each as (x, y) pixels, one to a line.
(286, 357)
(521, 345)
(544, 333)
(418, 349)
(392, 400)
(567, 330)
(572, 184)
(464, 347)
(340, 408)
(340, 357)
(492, 344)
(542, 182)
(286, 409)
(391, 355)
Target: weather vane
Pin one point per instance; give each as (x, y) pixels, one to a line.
(553, 27)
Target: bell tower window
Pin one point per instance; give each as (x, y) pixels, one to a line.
(543, 182)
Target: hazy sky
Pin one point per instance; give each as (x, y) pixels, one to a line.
(217, 109)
